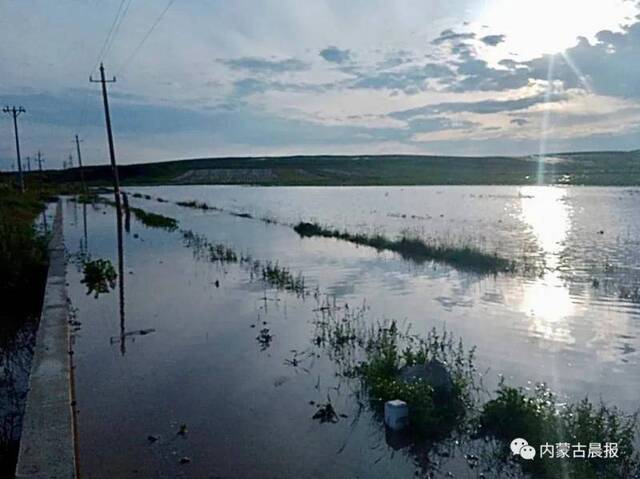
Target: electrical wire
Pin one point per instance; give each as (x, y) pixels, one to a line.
(146, 36)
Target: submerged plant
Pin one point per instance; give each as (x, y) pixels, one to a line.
(99, 276)
(282, 278)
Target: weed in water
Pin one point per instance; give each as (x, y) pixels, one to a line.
(416, 249)
(99, 276)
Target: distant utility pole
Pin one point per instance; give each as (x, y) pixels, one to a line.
(70, 160)
(112, 153)
(29, 164)
(40, 160)
(84, 185)
(16, 112)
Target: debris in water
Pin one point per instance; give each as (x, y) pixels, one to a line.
(183, 430)
(151, 438)
(185, 460)
(326, 413)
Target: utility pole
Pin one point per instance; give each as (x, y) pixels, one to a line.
(15, 112)
(70, 160)
(84, 185)
(29, 164)
(40, 160)
(116, 192)
(112, 153)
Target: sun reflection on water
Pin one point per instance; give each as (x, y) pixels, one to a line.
(547, 300)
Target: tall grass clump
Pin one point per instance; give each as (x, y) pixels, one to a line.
(23, 250)
(535, 416)
(282, 278)
(154, 220)
(438, 406)
(416, 249)
(99, 276)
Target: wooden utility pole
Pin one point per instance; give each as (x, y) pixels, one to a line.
(15, 112)
(84, 185)
(107, 116)
(29, 164)
(40, 160)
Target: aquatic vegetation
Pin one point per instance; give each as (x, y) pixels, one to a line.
(264, 338)
(241, 215)
(535, 416)
(99, 276)
(437, 408)
(197, 205)
(387, 362)
(282, 278)
(154, 220)
(416, 249)
(203, 249)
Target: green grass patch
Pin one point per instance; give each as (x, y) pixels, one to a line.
(99, 276)
(154, 220)
(282, 278)
(415, 249)
(535, 416)
(23, 250)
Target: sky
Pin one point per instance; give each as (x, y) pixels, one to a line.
(205, 78)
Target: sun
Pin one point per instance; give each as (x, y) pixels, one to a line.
(532, 28)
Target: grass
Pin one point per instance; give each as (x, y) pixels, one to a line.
(376, 356)
(270, 272)
(282, 278)
(23, 250)
(535, 416)
(415, 249)
(154, 220)
(584, 168)
(203, 249)
(148, 219)
(99, 276)
(23, 270)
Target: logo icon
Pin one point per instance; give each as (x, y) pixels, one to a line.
(520, 447)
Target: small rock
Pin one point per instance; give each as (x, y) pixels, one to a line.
(434, 373)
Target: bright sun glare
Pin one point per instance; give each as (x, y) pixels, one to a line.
(551, 26)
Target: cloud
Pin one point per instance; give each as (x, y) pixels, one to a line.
(492, 40)
(519, 121)
(264, 65)
(410, 80)
(251, 86)
(449, 35)
(480, 107)
(335, 55)
(438, 123)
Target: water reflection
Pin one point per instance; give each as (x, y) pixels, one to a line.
(547, 300)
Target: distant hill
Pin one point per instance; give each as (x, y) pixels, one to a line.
(584, 168)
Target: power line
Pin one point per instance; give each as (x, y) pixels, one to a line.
(106, 40)
(146, 36)
(118, 25)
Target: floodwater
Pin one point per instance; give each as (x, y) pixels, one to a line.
(234, 361)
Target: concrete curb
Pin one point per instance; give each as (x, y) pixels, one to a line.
(47, 444)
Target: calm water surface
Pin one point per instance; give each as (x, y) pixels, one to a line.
(247, 408)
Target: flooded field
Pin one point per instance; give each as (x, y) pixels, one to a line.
(207, 357)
